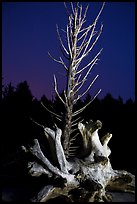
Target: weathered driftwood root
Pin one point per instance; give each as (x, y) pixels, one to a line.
(89, 176)
(122, 181)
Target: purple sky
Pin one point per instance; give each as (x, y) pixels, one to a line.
(29, 33)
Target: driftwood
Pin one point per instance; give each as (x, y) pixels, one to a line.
(86, 176)
(89, 177)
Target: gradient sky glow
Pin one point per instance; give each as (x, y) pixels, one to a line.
(29, 33)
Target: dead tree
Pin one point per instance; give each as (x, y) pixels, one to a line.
(78, 46)
(91, 175)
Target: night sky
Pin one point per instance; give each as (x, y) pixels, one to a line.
(29, 33)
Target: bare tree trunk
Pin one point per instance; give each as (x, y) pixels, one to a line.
(70, 95)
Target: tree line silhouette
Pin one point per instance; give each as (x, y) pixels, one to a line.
(19, 106)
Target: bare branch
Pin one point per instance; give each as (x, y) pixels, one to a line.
(73, 147)
(74, 137)
(59, 61)
(87, 43)
(59, 119)
(70, 29)
(74, 121)
(68, 41)
(54, 58)
(80, 15)
(100, 11)
(84, 41)
(85, 29)
(85, 77)
(73, 130)
(66, 99)
(66, 9)
(72, 7)
(82, 69)
(74, 124)
(50, 111)
(64, 31)
(81, 95)
(77, 82)
(73, 150)
(61, 41)
(82, 109)
(75, 20)
(55, 87)
(94, 41)
(72, 154)
(63, 64)
(85, 13)
(37, 123)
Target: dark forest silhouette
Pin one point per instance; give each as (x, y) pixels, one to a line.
(19, 105)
